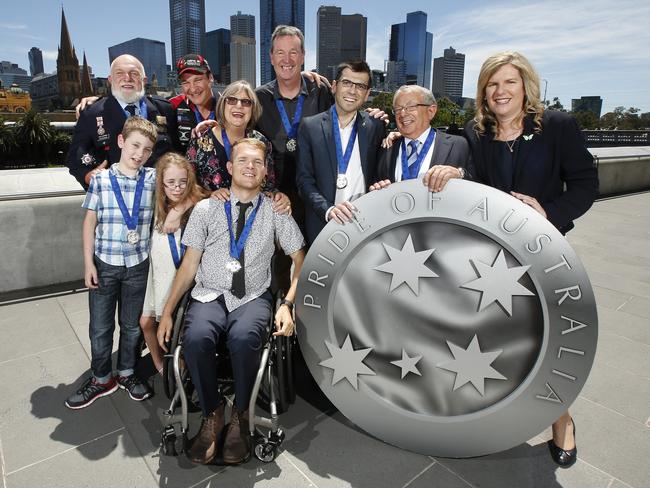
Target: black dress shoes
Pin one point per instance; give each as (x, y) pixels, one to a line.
(564, 459)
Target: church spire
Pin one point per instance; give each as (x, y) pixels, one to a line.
(86, 83)
(67, 67)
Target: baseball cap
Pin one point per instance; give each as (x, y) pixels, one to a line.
(194, 63)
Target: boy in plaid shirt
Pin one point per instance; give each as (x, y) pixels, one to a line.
(119, 203)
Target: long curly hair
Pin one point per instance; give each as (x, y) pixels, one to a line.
(532, 104)
(192, 191)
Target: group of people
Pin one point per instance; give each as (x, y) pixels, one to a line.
(240, 178)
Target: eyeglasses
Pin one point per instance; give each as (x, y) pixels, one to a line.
(245, 102)
(409, 109)
(349, 84)
(172, 185)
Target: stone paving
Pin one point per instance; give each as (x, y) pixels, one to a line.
(44, 353)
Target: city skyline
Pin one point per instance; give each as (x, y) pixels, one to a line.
(598, 49)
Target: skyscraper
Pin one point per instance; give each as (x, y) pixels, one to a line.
(187, 27)
(272, 14)
(150, 53)
(217, 52)
(242, 48)
(410, 42)
(592, 104)
(340, 38)
(448, 74)
(35, 61)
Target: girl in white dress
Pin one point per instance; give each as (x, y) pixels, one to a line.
(176, 195)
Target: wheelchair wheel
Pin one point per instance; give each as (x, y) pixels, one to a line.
(169, 380)
(265, 451)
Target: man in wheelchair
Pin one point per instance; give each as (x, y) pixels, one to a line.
(228, 257)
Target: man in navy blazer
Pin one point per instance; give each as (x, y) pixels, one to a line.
(422, 152)
(338, 151)
(94, 143)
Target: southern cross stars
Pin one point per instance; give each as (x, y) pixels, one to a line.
(471, 365)
(498, 283)
(347, 362)
(406, 265)
(407, 364)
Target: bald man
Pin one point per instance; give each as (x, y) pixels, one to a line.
(94, 144)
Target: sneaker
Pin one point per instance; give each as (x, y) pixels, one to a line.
(138, 390)
(90, 391)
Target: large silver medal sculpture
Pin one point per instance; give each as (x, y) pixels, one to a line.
(456, 324)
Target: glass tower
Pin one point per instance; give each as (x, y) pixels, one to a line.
(272, 14)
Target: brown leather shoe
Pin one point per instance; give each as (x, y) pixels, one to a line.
(236, 448)
(203, 447)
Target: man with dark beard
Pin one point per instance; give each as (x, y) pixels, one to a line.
(94, 144)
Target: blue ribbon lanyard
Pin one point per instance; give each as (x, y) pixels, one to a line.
(226, 142)
(343, 159)
(143, 109)
(236, 247)
(410, 172)
(174, 249)
(199, 117)
(131, 220)
(290, 128)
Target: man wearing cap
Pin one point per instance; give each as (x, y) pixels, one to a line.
(94, 143)
(197, 102)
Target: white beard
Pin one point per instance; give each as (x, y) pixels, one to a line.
(122, 97)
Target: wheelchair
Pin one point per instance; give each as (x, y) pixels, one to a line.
(273, 390)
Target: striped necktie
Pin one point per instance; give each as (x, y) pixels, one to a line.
(412, 152)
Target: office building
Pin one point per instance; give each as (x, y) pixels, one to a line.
(11, 73)
(410, 42)
(44, 90)
(272, 14)
(35, 61)
(187, 27)
(151, 54)
(242, 48)
(217, 52)
(340, 38)
(587, 104)
(448, 74)
(395, 75)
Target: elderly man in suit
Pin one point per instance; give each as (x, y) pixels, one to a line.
(94, 143)
(422, 152)
(338, 151)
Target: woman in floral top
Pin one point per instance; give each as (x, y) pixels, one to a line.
(237, 111)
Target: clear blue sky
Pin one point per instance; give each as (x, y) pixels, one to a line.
(583, 47)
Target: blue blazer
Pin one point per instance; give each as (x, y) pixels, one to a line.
(448, 149)
(544, 164)
(317, 166)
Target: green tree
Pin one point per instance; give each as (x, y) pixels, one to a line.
(384, 101)
(587, 120)
(34, 136)
(622, 119)
(59, 147)
(554, 105)
(7, 139)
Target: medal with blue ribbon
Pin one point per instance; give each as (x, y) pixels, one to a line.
(174, 250)
(236, 246)
(198, 116)
(143, 109)
(291, 128)
(131, 220)
(411, 172)
(342, 159)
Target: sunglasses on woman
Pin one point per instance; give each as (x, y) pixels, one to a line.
(245, 102)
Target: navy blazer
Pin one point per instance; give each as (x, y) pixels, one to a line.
(544, 164)
(317, 166)
(447, 149)
(95, 135)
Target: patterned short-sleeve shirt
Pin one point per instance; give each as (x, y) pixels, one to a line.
(111, 245)
(207, 231)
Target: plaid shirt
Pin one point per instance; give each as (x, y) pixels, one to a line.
(111, 245)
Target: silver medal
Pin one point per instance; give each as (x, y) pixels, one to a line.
(233, 266)
(132, 237)
(341, 181)
(291, 145)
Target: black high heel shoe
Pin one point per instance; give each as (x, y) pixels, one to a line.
(564, 459)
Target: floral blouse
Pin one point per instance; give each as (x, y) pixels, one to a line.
(208, 156)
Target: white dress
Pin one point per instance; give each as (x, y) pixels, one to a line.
(161, 273)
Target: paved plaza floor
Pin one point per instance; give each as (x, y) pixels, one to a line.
(44, 353)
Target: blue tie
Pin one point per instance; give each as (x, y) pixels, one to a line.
(412, 152)
(131, 109)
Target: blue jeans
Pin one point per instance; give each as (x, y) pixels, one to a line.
(124, 287)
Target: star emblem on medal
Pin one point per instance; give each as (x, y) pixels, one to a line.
(421, 315)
